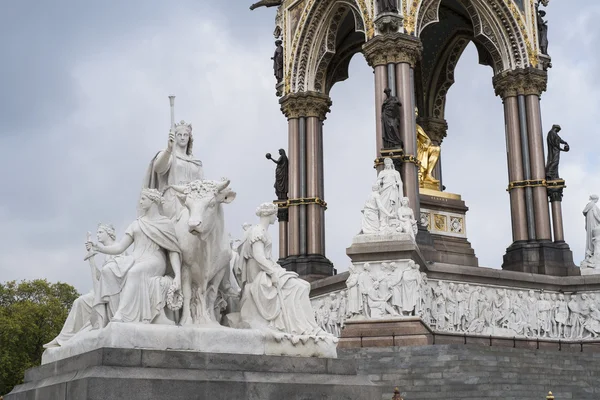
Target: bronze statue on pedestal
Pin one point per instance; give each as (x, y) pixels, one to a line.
(390, 121)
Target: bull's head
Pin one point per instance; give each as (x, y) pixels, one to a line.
(203, 200)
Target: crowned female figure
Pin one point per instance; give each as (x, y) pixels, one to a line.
(273, 299)
(175, 165)
(390, 187)
(141, 284)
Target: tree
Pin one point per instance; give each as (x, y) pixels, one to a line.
(32, 313)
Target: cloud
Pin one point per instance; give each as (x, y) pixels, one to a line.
(87, 120)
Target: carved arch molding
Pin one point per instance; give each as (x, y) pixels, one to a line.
(323, 44)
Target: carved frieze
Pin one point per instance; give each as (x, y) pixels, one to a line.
(459, 307)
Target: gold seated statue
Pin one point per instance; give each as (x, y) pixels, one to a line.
(428, 155)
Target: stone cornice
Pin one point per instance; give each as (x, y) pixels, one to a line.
(393, 48)
(529, 81)
(305, 104)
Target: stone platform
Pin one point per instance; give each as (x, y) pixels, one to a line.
(134, 374)
(209, 339)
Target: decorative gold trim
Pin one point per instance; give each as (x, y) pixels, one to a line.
(281, 203)
(526, 183)
(437, 193)
(556, 184)
(306, 201)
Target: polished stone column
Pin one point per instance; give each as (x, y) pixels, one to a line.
(380, 85)
(515, 169)
(538, 167)
(306, 228)
(283, 239)
(532, 249)
(402, 52)
(314, 180)
(410, 168)
(557, 221)
(294, 187)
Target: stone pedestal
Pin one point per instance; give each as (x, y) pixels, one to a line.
(405, 331)
(546, 258)
(209, 339)
(375, 248)
(444, 216)
(135, 374)
(310, 267)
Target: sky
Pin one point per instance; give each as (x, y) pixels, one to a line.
(84, 107)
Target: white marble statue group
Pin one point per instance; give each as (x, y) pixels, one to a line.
(182, 267)
(387, 211)
(473, 309)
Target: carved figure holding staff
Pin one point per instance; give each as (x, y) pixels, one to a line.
(175, 165)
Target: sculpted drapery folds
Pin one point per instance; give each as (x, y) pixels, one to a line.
(281, 175)
(390, 121)
(273, 299)
(390, 187)
(554, 149)
(175, 165)
(140, 282)
(80, 316)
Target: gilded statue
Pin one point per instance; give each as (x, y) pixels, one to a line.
(428, 155)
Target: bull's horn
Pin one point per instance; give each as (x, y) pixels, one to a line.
(222, 185)
(179, 188)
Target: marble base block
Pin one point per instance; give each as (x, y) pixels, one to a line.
(401, 331)
(217, 339)
(134, 374)
(373, 248)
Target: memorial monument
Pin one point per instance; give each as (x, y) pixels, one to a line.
(188, 311)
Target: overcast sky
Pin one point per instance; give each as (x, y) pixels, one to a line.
(84, 107)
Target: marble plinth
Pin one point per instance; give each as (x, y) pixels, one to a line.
(217, 339)
(135, 374)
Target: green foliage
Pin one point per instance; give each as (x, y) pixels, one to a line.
(32, 313)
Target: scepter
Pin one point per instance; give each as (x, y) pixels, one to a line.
(172, 103)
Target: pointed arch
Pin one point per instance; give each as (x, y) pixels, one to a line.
(321, 56)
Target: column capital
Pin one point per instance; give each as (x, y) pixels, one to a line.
(436, 128)
(393, 48)
(305, 104)
(528, 81)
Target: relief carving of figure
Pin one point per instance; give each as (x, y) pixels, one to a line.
(554, 149)
(390, 121)
(281, 175)
(378, 302)
(410, 283)
(273, 299)
(355, 298)
(140, 281)
(175, 165)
